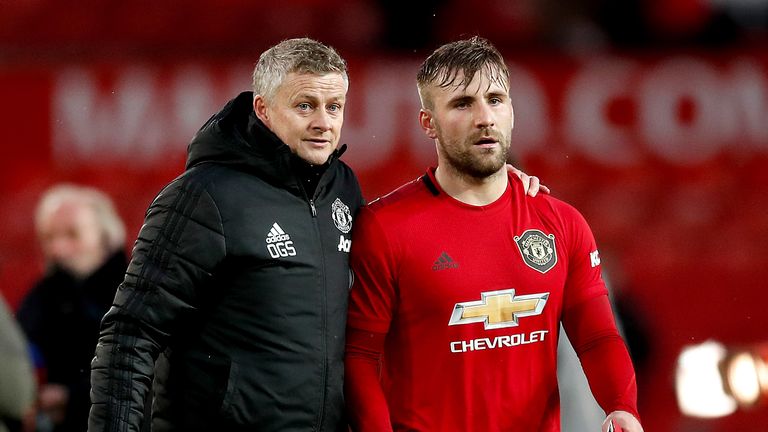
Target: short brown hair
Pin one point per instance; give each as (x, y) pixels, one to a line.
(301, 55)
(469, 56)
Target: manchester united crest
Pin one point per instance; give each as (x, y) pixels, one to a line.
(342, 218)
(538, 250)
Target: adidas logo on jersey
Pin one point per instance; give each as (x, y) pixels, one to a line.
(279, 243)
(444, 262)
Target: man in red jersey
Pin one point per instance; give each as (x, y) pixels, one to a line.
(461, 280)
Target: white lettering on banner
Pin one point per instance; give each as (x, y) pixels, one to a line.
(193, 100)
(744, 108)
(664, 90)
(726, 108)
(147, 113)
(90, 122)
(141, 119)
(586, 123)
(498, 341)
(384, 111)
(531, 112)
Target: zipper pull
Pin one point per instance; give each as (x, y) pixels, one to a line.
(312, 206)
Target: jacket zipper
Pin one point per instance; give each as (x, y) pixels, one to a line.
(313, 209)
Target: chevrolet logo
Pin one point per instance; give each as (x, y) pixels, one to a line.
(498, 309)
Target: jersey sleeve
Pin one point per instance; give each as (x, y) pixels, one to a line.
(584, 279)
(604, 357)
(371, 304)
(589, 322)
(373, 295)
(367, 408)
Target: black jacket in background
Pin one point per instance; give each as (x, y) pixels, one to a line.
(239, 282)
(61, 317)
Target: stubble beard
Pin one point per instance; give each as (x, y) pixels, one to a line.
(478, 164)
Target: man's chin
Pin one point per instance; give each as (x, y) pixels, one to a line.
(482, 169)
(317, 157)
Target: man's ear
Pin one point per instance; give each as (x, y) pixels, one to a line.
(260, 108)
(427, 124)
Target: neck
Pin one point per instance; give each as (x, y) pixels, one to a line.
(471, 190)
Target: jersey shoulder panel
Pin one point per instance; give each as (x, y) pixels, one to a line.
(402, 204)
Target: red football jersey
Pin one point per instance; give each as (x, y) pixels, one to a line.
(470, 299)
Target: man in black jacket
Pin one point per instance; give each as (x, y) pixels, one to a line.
(236, 294)
(235, 297)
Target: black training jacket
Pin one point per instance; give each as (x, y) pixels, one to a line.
(238, 288)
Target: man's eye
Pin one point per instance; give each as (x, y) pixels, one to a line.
(495, 101)
(304, 106)
(334, 108)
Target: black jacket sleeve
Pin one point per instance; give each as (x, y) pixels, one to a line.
(179, 247)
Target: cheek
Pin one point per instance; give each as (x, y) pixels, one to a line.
(287, 129)
(338, 122)
(87, 244)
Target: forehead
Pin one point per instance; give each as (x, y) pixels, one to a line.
(69, 215)
(332, 84)
(484, 81)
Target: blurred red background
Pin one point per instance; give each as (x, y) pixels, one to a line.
(653, 124)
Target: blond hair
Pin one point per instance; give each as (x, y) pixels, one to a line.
(467, 56)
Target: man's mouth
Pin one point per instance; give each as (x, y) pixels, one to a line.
(486, 142)
(318, 141)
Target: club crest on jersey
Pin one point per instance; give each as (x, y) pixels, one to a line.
(341, 215)
(537, 249)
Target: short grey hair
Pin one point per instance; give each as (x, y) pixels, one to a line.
(110, 224)
(302, 55)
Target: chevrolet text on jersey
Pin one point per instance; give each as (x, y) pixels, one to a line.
(498, 341)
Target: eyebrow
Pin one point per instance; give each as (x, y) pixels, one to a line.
(312, 97)
(468, 98)
(497, 93)
(304, 96)
(460, 98)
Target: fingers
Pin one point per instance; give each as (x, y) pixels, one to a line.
(515, 171)
(610, 426)
(544, 189)
(531, 184)
(621, 421)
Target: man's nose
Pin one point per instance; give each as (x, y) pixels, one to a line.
(322, 121)
(483, 116)
(58, 249)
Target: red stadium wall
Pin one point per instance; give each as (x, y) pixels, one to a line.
(663, 154)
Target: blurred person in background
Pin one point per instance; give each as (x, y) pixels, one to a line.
(461, 281)
(82, 238)
(17, 378)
